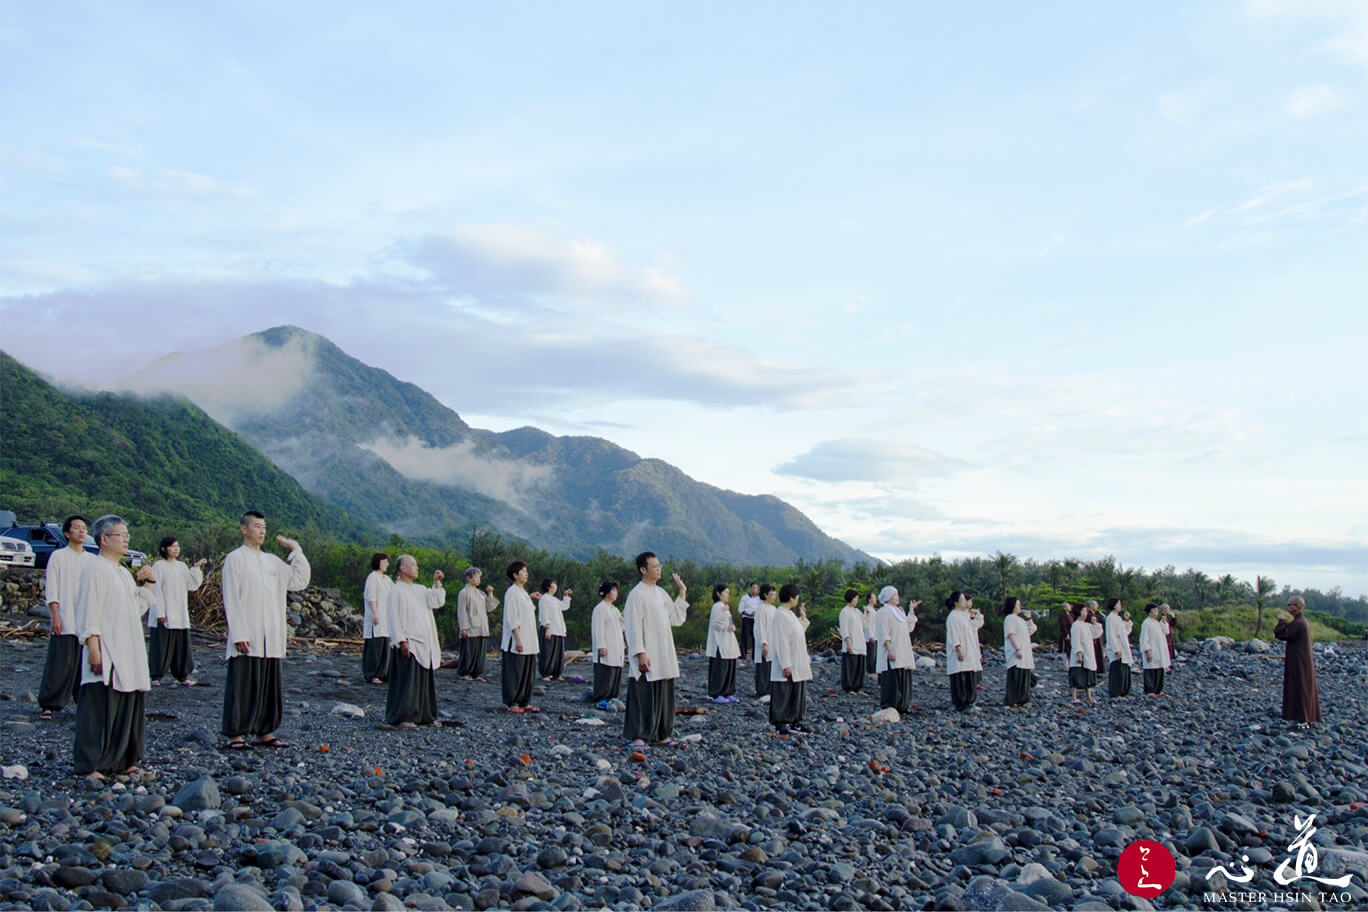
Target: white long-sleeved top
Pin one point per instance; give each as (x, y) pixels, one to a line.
(375, 622)
(110, 605)
(788, 647)
(747, 605)
(871, 622)
(254, 587)
(1153, 644)
(61, 580)
(647, 619)
(606, 634)
(1118, 642)
(851, 624)
(169, 596)
(894, 638)
(551, 613)
(472, 610)
(961, 629)
(722, 633)
(409, 610)
(1081, 636)
(764, 617)
(1020, 655)
(520, 615)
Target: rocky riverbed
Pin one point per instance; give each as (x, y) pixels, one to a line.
(995, 809)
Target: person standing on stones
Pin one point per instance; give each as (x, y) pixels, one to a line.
(764, 615)
(519, 642)
(1082, 656)
(609, 645)
(416, 647)
(749, 602)
(722, 649)
(62, 668)
(1017, 630)
(168, 620)
(790, 664)
(963, 655)
(1099, 654)
(896, 658)
(1301, 701)
(854, 646)
(871, 632)
(255, 584)
(108, 613)
(1066, 619)
(1154, 656)
(375, 649)
(1119, 651)
(1169, 620)
(647, 619)
(551, 617)
(473, 606)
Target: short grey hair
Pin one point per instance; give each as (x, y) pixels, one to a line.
(472, 572)
(104, 524)
(399, 561)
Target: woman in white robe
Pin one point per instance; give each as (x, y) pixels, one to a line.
(896, 658)
(854, 645)
(1154, 654)
(790, 665)
(1082, 655)
(963, 655)
(608, 644)
(722, 648)
(473, 605)
(764, 615)
(375, 648)
(416, 647)
(551, 618)
(168, 617)
(1017, 630)
(519, 642)
(1119, 656)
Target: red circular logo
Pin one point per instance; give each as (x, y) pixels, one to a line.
(1145, 869)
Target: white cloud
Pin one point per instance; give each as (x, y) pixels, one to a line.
(460, 466)
(1315, 100)
(868, 459)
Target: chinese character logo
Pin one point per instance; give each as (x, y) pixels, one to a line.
(1306, 858)
(1145, 869)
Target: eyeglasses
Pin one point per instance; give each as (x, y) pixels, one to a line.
(116, 534)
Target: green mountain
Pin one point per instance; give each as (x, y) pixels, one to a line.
(158, 462)
(390, 453)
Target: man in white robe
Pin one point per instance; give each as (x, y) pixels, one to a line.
(746, 608)
(518, 642)
(375, 650)
(963, 656)
(62, 666)
(416, 647)
(473, 606)
(1154, 654)
(647, 619)
(854, 646)
(1119, 656)
(790, 665)
(255, 584)
(896, 658)
(108, 614)
(764, 616)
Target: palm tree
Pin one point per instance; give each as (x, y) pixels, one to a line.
(1005, 565)
(1263, 586)
(1225, 586)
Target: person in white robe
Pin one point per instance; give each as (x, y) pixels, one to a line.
(474, 603)
(1154, 654)
(609, 645)
(854, 645)
(108, 610)
(62, 664)
(255, 584)
(871, 633)
(518, 642)
(963, 655)
(746, 608)
(1082, 655)
(375, 648)
(790, 664)
(415, 645)
(168, 618)
(1119, 656)
(896, 658)
(647, 620)
(1017, 630)
(721, 648)
(764, 615)
(551, 610)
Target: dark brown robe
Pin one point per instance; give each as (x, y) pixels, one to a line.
(1300, 702)
(1065, 622)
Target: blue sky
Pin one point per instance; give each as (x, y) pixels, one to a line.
(1066, 279)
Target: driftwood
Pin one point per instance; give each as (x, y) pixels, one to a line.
(31, 630)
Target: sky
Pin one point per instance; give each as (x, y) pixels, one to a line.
(1063, 279)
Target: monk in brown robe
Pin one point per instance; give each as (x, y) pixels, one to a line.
(1300, 702)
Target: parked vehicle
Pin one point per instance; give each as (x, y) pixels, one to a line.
(45, 538)
(15, 553)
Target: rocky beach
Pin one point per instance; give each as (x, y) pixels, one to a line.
(995, 809)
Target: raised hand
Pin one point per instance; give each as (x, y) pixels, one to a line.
(289, 544)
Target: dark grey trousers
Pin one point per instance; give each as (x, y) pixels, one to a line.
(412, 695)
(650, 710)
(253, 701)
(109, 729)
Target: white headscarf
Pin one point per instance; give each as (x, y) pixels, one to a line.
(887, 594)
